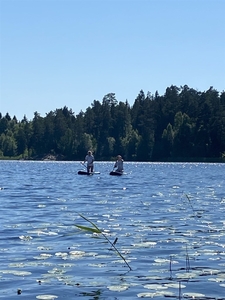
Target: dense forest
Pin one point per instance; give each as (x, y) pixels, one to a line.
(181, 125)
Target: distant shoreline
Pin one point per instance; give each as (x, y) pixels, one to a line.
(51, 157)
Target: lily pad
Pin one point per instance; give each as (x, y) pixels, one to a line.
(144, 245)
(193, 295)
(118, 288)
(175, 285)
(46, 297)
(155, 287)
(16, 273)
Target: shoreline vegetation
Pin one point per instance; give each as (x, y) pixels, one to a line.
(182, 125)
(51, 157)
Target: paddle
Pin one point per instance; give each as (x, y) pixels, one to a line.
(86, 168)
(113, 169)
(84, 165)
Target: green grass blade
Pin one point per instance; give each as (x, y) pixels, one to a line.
(86, 219)
(97, 230)
(93, 230)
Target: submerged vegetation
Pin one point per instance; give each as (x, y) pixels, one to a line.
(181, 125)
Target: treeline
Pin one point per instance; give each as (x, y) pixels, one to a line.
(183, 124)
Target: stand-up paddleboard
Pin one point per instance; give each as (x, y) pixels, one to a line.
(86, 173)
(116, 173)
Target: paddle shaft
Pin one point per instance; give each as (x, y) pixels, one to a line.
(83, 164)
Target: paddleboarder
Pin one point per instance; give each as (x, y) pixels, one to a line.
(119, 164)
(89, 158)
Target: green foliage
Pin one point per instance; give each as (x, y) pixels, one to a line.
(92, 230)
(182, 124)
(8, 145)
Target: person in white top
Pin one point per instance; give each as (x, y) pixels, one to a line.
(119, 164)
(89, 158)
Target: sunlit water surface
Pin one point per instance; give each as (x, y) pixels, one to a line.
(169, 219)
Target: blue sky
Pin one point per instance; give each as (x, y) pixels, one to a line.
(56, 53)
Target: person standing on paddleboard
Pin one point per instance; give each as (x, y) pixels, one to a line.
(119, 164)
(89, 158)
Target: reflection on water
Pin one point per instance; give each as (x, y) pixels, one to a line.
(168, 219)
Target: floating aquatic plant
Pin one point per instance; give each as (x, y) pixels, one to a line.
(46, 297)
(95, 229)
(118, 288)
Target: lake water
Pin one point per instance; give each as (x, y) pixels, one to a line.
(168, 218)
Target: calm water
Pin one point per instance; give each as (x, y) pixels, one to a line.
(169, 219)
